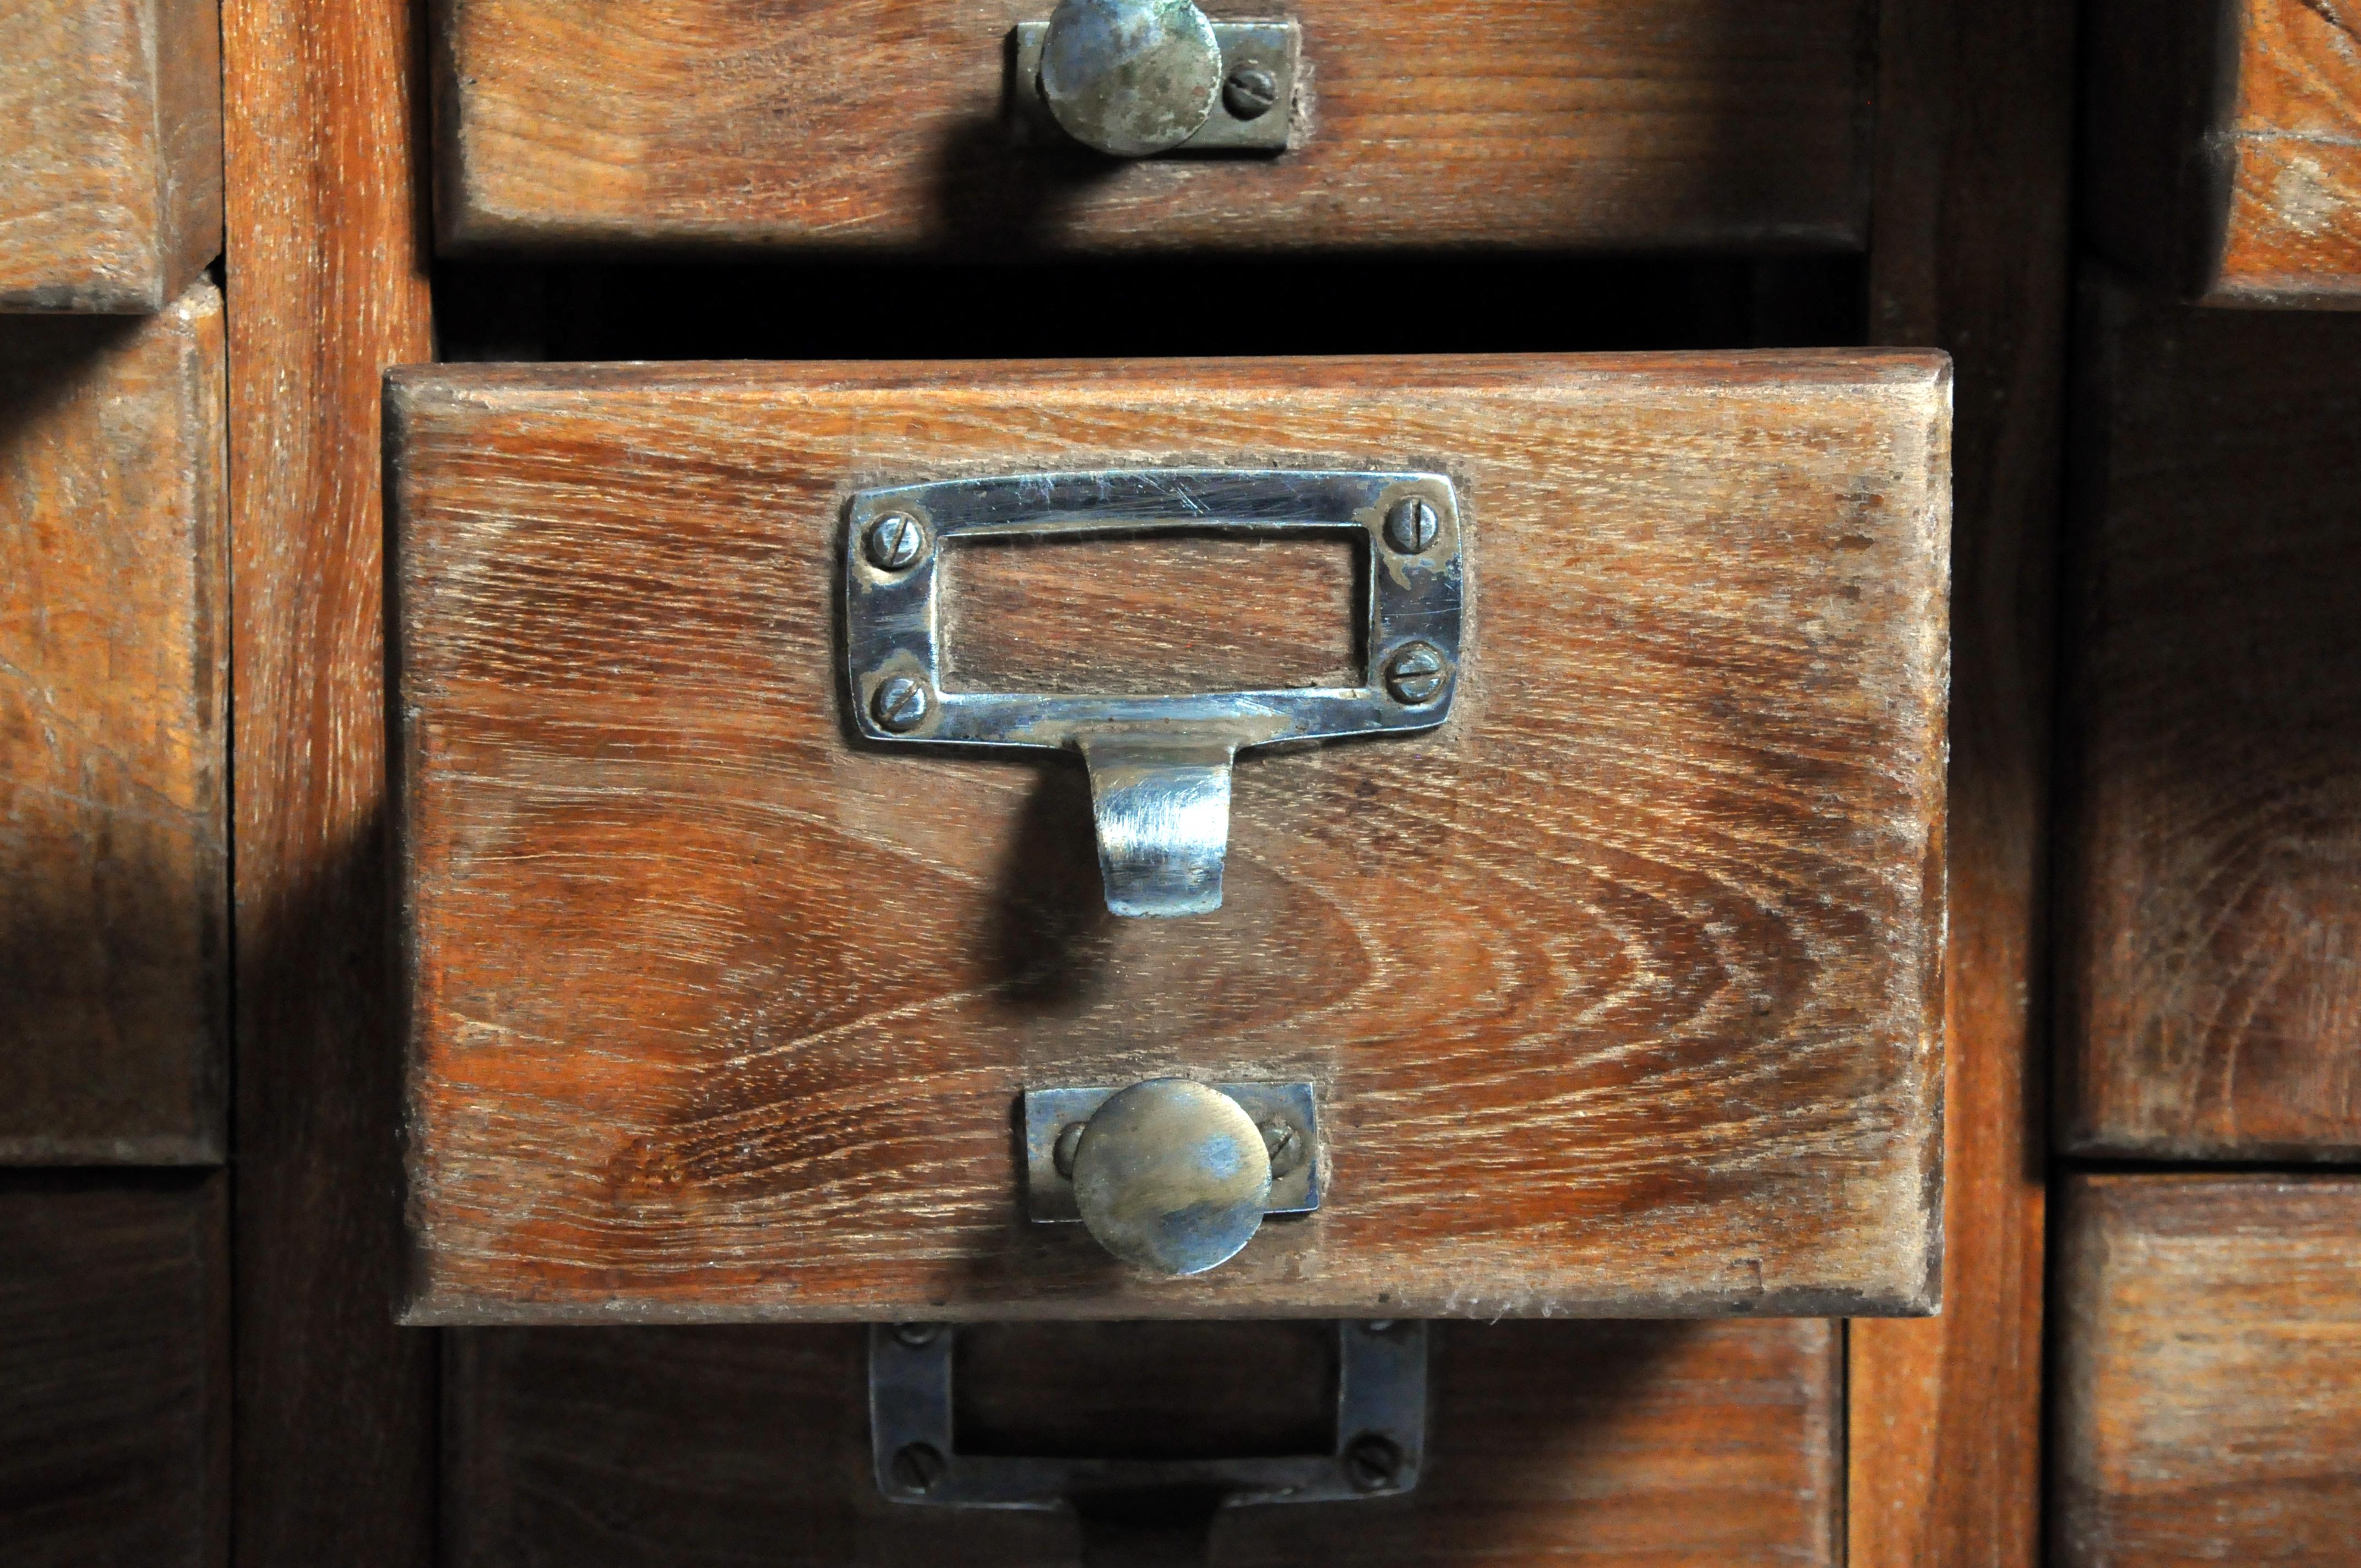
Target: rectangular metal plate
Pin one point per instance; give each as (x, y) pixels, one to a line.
(1049, 1197)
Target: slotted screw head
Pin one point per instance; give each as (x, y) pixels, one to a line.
(917, 1466)
(1285, 1146)
(1411, 525)
(1373, 1464)
(1416, 674)
(1249, 93)
(894, 541)
(901, 704)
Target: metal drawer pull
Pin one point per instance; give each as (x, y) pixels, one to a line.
(1136, 78)
(1159, 766)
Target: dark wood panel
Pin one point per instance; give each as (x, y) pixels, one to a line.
(113, 739)
(876, 124)
(1643, 1445)
(110, 130)
(114, 1371)
(1974, 139)
(2225, 153)
(328, 267)
(2210, 1372)
(2212, 916)
(1665, 879)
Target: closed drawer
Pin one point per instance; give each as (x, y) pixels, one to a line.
(110, 132)
(871, 125)
(2209, 1371)
(113, 739)
(1613, 993)
(2224, 158)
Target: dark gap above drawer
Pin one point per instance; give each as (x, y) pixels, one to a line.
(1200, 307)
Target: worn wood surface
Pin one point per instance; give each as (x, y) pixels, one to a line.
(114, 1357)
(327, 218)
(2211, 944)
(110, 140)
(2225, 147)
(1647, 1445)
(1643, 124)
(1970, 255)
(2210, 1372)
(113, 739)
(1620, 988)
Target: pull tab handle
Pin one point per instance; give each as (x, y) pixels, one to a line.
(1163, 815)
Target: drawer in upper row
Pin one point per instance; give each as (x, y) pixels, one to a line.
(921, 126)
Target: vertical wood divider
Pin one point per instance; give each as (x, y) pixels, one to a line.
(327, 228)
(1970, 253)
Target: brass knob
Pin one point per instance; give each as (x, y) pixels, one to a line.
(1130, 77)
(1171, 1176)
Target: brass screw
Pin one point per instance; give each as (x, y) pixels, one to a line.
(894, 541)
(901, 704)
(1411, 525)
(1415, 675)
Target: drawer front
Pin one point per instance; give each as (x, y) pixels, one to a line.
(868, 123)
(1616, 992)
(1651, 1445)
(113, 739)
(2209, 1371)
(110, 132)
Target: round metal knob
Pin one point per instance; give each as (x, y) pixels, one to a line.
(1130, 77)
(1171, 1176)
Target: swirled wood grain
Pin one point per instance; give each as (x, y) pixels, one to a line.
(1620, 989)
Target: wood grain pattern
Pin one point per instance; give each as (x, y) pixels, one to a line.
(110, 133)
(876, 124)
(327, 265)
(1974, 139)
(2210, 949)
(1618, 988)
(113, 739)
(2226, 152)
(2210, 1372)
(115, 1354)
(1643, 1445)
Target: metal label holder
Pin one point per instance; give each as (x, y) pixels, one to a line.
(1159, 766)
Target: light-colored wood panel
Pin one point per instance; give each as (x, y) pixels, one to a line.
(110, 134)
(1620, 988)
(2210, 1372)
(878, 124)
(1641, 1445)
(2211, 905)
(1974, 139)
(327, 219)
(113, 739)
